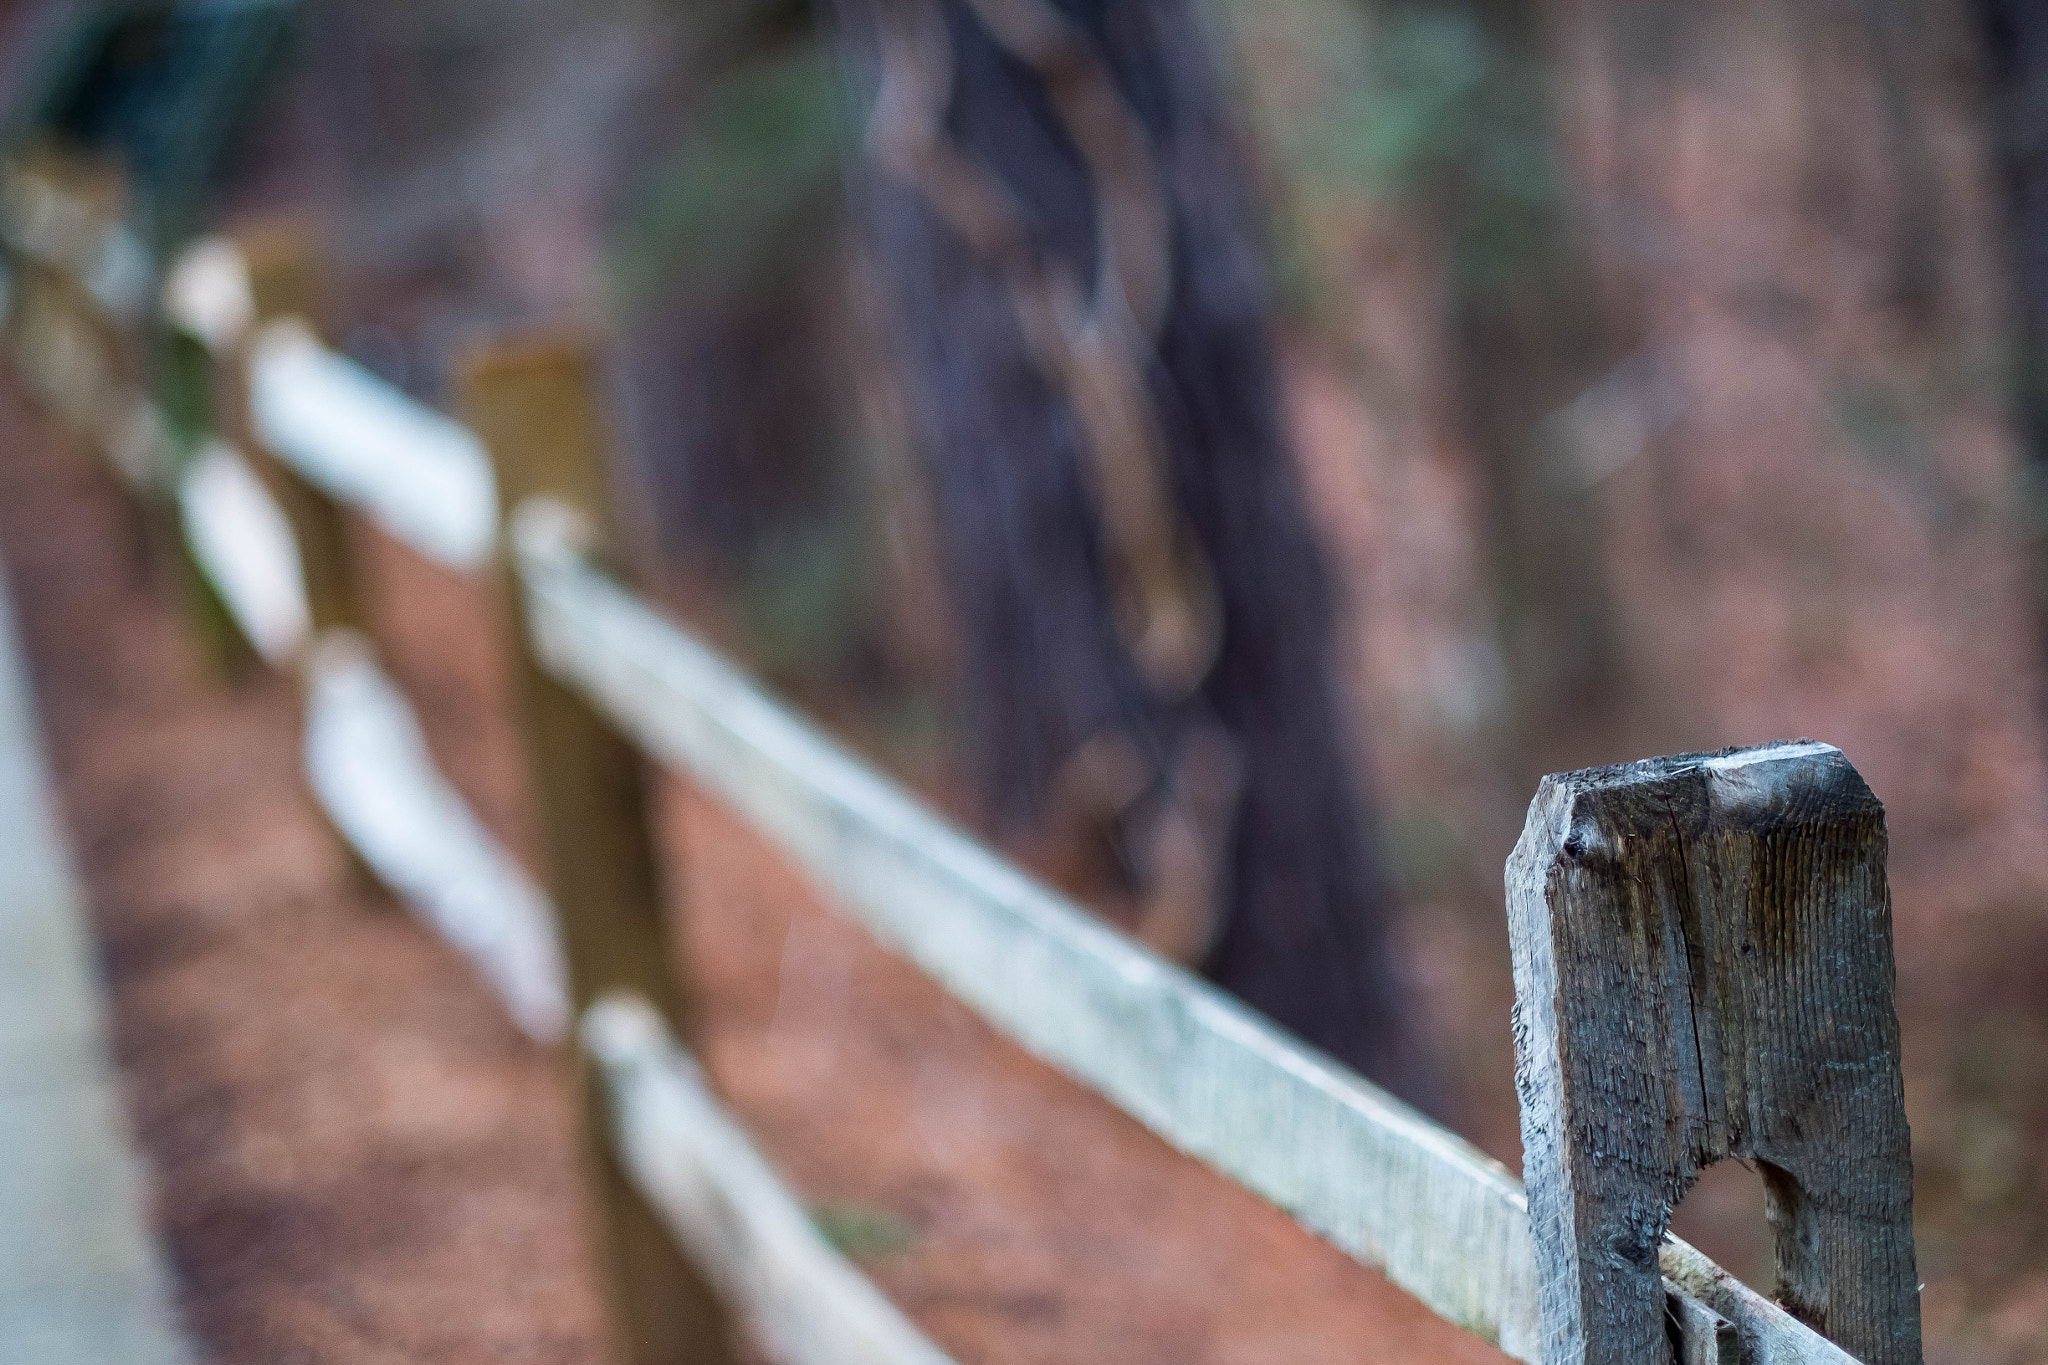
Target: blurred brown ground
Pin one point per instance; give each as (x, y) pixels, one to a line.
(358, 1159)
(356, 1156)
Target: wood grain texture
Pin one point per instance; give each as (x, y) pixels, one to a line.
(1352, 1164)
(802, 1301)
(535, 406)
(1704, 1336)
(1703, 970)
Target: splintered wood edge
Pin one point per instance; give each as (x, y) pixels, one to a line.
(805, 1303)
(1699, 1291)
(1348, 1161)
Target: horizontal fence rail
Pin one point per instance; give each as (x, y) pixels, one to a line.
(805, 1303)
(1374, 1177)
(420, 475)
(369, 766)
(1395, 1191)
(244, 546)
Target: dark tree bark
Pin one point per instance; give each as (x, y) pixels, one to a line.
(2015, 47)
(1305, 902)
(2016, 50)
(732, 418)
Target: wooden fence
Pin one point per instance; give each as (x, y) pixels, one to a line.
(1636, 938)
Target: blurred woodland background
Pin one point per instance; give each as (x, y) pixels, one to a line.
(1227, 451)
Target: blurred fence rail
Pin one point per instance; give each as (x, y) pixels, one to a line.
(604, 674)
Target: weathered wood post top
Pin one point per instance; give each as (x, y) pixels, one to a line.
(1703, 969)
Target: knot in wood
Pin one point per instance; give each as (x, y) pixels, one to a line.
(1703, 970)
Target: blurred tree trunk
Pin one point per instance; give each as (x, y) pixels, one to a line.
(1528, 336)
(734, 421)
(1069, 705)
(2015, 38)
(2016, 48)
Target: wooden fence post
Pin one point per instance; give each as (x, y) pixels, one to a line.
(283, 261)
(534, 403)
(80, 356)
(97, 370)
(1703, 969)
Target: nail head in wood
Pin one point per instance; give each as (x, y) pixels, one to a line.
(1704, 970)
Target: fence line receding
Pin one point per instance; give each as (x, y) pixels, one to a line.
(1356, 1166)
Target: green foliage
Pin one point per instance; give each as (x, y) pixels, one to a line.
(803, 599)
(1449, 115)
(1881, 422)
(863, 1234)
(1415, 114)
(751, 190)
(184, 380)
(1435, 104)
(1426, 853)
(1893, 423)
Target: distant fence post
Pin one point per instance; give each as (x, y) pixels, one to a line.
(1703, 969)
(81, 357)
(283, 260)
(79, 280)
(534, 403)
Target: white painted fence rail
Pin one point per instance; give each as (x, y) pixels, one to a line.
(243, 544)
(369, 765)
(428, 480)
(805, 1304)
(1371, 1175)
(366, 759)
(420, 475)
(1395, 1191)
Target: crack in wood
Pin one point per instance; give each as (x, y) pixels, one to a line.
(1768, 866)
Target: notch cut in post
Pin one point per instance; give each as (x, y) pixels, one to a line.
(533, 401)
(1703, 970)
